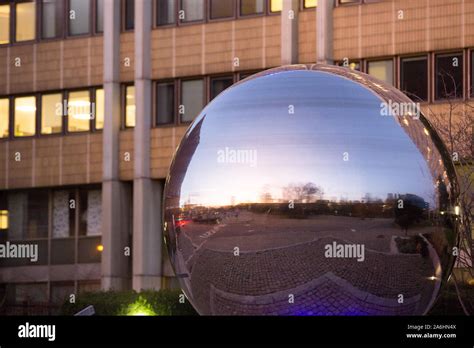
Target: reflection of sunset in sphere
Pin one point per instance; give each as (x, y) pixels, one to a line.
(292, 193)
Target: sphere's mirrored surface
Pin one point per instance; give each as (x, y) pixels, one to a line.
(295, 192)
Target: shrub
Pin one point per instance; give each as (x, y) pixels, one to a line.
(163, 302)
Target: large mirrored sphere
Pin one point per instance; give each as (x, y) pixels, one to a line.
(311, 190)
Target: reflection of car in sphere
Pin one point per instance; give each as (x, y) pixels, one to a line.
(297, 184)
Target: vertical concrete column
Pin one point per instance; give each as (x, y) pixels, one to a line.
(289, 32)
(324, 31)
(147, 193)
(115, 200)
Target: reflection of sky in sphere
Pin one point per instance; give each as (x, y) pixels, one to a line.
(332, 116)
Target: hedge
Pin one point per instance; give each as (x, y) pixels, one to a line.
(163, 302)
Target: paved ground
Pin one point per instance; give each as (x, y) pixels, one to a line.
(279, 257)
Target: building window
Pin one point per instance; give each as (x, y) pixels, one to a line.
(99, 8)
(222, 8)
(414, 77)
(382, 69)
(4, 117)
(193, 10)
(4, 24)
(219, 84)
(164, 103)
(310, 3)
(52, 18)
(79, 111)
(130, 106)
(64, 208)
(28, 215)
(25, 27)
(51, 113)
(251, 7)
(25, 116)
(276, 5)
(129, 17)
(165, 12)
(449, 75)
(192, 99)
(99, 108)
(79, 17)
(90, 212)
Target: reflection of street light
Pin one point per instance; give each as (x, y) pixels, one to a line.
(457, 210)
(100, 248)
(432, 278)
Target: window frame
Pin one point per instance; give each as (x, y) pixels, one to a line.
(66, 121)
(14, 19)
(123, 105)
(174, 122)
(155, 16)
(12, 112)
(180, 96)
(39, 108)
(303, 8)
(61, 35)
(428, 73)
(180, 22)
(433, 74)
(366, 63)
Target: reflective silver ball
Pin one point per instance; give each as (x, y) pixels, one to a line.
(311, 190)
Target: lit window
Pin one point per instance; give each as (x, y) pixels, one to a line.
(129, 14)
(383, 70)
(249, 7)
(222, 8)
(51, 113)
(130, 106)
(79, 111)
(4, 24)
(193, 10)
(52, 21)
(25, 116)
(219, 84)
(3, 219)
(165, 12)
(99, 25)
(79, 17)
(25, 21)
(276, 5)
(414, 77)
(165, 103)
(192, 99)
(99, 109)
(310, 3)
(449, 72)
(4, 117)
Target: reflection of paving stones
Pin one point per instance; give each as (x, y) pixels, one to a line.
(326, 295)
(283, 269)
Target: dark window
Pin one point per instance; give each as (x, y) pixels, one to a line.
(52, 18)
(99, 25)
(37, 222)
(414, 77)
(222, 8)
(165, 103)
(79, 17)
(192, 99)
(192, 10)
(129, 14)
(219, 84)
(250, 7)
(165, 12)
(449, 71)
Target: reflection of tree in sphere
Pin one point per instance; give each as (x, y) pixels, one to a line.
(292, 193)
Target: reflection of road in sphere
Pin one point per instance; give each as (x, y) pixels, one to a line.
(292, 194)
